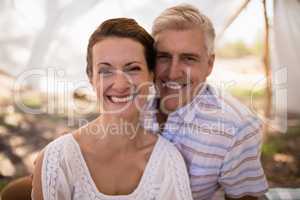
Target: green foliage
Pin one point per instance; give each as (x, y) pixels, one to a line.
(257, 48)
(272, 147)
(33, 101)
(293, 132)
(3, 183)
(247, 92)
(239, 48)
(279, 142)
(234, 50)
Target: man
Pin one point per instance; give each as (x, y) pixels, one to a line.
(219, 138)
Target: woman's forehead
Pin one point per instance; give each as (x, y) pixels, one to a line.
(118, 50)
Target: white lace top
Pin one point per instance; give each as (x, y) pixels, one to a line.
(65, 174)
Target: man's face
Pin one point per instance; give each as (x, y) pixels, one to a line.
(182, 66)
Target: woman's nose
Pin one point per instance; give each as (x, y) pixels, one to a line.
(121, 82)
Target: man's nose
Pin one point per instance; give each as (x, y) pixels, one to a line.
(174, 71)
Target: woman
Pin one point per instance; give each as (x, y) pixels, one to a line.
(113, 157)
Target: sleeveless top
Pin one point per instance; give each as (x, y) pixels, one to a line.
(65, 174)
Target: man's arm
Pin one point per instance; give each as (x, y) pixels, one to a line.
(242, 198)
(242, 175)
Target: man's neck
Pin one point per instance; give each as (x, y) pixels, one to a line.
(161, 119)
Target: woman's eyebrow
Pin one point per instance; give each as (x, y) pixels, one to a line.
(132, 62)
(104, 63)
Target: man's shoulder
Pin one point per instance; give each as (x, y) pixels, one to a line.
(229, 105)
(218, 107)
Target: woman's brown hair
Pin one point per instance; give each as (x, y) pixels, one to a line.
(123, 28)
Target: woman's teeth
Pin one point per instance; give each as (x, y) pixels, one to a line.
(121, 99)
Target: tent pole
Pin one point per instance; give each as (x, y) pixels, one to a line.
(266, 60)
(233, 17)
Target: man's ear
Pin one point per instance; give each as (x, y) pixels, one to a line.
(211, 61)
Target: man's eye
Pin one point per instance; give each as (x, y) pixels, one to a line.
(190, 59)
(162, 57)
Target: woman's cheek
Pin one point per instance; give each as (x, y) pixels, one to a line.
(101, 86)
(143, 92)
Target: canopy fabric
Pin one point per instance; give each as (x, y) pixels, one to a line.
(285, 66)
(54, 33)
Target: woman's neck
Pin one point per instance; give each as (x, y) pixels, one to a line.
(114, 132)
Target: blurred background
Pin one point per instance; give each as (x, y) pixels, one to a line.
(44, 90)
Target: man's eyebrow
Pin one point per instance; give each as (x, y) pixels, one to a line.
(162, 53)
(191, 54)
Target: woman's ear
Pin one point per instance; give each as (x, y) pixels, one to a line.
(90, 77)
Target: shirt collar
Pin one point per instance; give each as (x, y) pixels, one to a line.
(188, 111)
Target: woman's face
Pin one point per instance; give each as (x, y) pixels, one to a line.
(120, 76)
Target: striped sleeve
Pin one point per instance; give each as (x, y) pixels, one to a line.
(242, 173)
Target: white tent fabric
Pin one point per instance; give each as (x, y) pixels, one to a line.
(57, 31)
(54, 33)
(286, 63)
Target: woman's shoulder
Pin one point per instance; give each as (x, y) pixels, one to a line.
(59, 156)
(170, 150)
(175, 167)
(58, 150)
(59, 143)
(169, 146)
(52, 166)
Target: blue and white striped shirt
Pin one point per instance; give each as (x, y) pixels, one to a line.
(220, 140)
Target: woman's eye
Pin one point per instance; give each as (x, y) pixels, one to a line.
(105, 72)
(133, 69)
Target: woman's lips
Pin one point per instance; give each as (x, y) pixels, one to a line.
(121, 99)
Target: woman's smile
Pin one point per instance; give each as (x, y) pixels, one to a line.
(121, 99)
(123, 72)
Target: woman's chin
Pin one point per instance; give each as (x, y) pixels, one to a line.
(125, 111)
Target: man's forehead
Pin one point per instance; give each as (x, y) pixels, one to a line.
(180, 47)
(182, 33)
(190, 39)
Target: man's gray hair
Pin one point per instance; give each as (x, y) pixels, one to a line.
(182, 17)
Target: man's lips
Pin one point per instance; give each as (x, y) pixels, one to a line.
(174, 85)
